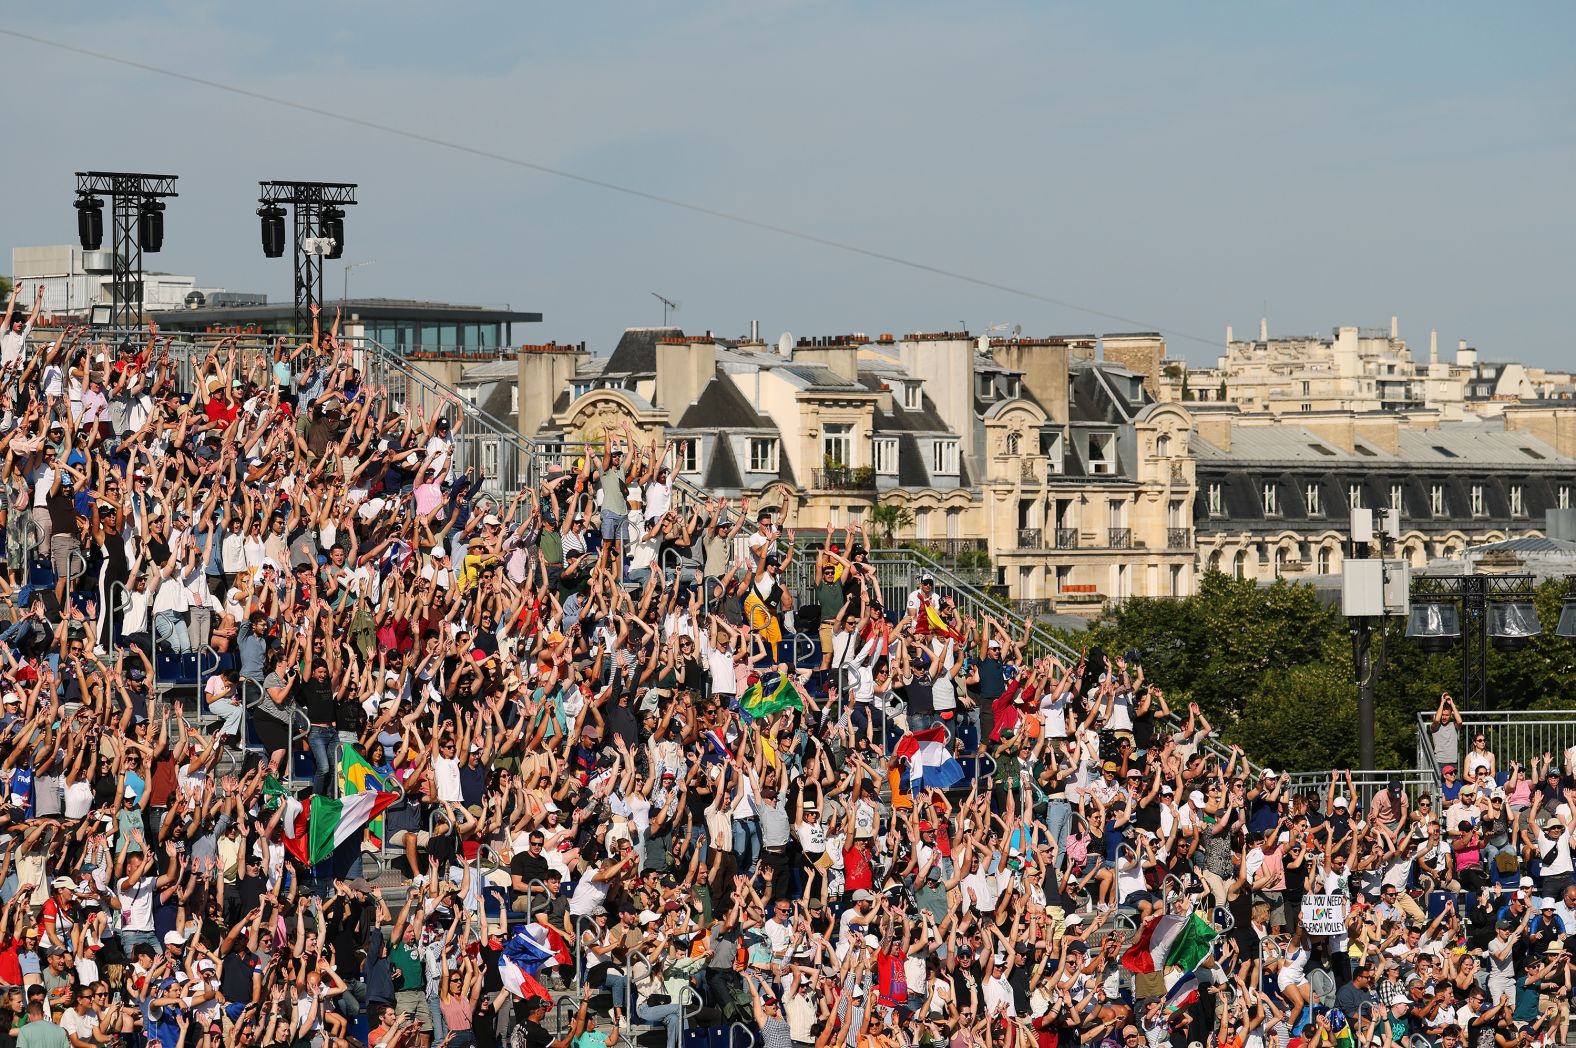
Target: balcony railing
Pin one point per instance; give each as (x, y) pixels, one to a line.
(1066, 538)
(1031, 538)
(1179, 538)
(1120, 538)
(951, 547)
(844, 478)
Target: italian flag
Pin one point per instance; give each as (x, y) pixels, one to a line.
(313, 829)
(1174, 940)
(357, 776)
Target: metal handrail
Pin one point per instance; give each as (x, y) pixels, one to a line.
(530, 894)
(71, 575)
(1366, 783)
(581, 925)
(560, 1007)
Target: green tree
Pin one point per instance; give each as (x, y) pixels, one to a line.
(886, 518)
(1272, 667)
(1216, 646)
(1297, 718)
(5, 287)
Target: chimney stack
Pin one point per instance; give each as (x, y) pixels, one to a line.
(1264, 329)
(1228, 336)
(1433, 346)
(1395, 327)
(755, 331)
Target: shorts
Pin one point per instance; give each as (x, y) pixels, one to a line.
(612, 526)
(397, 838)
(62, 551)
(415, 1003)
(827, 635)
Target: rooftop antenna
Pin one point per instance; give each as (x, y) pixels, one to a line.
(668, 306)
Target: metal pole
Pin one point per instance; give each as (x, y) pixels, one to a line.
(1474, 639)
(1362, 658)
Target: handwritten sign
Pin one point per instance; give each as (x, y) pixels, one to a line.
(1324, 914)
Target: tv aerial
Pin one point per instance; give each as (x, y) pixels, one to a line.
(668, 306)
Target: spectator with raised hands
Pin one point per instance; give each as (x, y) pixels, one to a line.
(586, 704)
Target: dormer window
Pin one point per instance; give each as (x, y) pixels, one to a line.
(985, 387)
(1051, 448)
(913, 396)
(944, 458)
(763, 454)
(1102, 454)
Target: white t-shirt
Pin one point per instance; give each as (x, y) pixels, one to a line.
(446, 770)
(136, 903)
(589, 896)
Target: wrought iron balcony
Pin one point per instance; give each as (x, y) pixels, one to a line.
(844, 478)
(1179, 538)
(1120, 538)
(1066, 538)
(1031, 538)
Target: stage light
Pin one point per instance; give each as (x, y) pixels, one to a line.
(150, 225)
(331, 224)
(90, 221)
(273, 216)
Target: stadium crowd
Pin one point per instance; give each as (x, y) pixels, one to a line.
(575, 722)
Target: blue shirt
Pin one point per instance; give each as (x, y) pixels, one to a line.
(254, 651)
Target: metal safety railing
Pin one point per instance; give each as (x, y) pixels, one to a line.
(1314, 784)
(897, 572)
(1512, 736)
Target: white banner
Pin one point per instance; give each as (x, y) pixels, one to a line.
(1324, 914)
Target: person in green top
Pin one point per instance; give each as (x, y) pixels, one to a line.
(1008, 770)
(614, 506)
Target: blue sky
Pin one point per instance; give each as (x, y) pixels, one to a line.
(1180, 166)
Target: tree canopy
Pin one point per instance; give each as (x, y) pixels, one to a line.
(1271, 666)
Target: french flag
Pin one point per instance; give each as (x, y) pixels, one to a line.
(522, 957)
(930, 765)
(1183, 991)
(717, 749)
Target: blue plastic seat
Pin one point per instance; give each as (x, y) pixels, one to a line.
(41, 573)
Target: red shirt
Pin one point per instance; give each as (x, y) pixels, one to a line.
(10, 966)
(220, 411)
(891, 982)
(857, 872)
